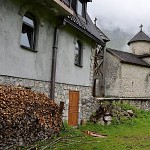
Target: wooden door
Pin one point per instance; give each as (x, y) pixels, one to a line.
(73, 108)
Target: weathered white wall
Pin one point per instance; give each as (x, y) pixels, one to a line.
(140, 47)
(112, 76)
(126, 80)
(18, 62)
(67, 71)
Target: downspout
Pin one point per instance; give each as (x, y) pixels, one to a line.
(54, 60)
(104, 73)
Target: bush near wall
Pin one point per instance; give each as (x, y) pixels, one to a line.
(26, 117)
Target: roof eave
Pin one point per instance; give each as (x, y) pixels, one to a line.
(85, 32)
(109, 50)
(122, 61)
(137, 41)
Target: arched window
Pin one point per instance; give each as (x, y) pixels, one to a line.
(78, 53)
(28, 35)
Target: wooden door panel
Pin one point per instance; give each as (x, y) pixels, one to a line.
(73, 108)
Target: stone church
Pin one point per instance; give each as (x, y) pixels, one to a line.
(128, 74)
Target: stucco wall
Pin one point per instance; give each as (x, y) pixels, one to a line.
(112, 76)
(140, 47)
(67, 71)
(18, 62)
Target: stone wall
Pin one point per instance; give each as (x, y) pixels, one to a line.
(91, 105)
(126, 80)
(112, 76)
(140, 47)
(135, 81)
(61, 90)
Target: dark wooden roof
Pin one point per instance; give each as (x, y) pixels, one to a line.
(129, 58)
(88, 28)
(141, 36)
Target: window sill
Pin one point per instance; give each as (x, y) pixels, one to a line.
(78, 65)
(29, 49)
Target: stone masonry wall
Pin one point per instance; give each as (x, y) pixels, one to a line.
(112, 76)
(61, 90)
(135, 81)
(91, 105)
(126, 80)
(140, 47)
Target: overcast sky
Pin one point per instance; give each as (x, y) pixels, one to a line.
(125, 14)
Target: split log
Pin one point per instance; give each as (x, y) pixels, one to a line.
(26, 116)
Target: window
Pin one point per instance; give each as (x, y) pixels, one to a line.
(78, 53)
(28, 32)
(81, 8)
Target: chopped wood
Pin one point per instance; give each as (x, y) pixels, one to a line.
(26, 116)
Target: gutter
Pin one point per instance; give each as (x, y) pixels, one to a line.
(54, 60)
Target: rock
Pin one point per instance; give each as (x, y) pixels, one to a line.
(108, 118)
(130, 112)
(101, 121)
(108, 123)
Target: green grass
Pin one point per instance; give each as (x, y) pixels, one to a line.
(131, 135)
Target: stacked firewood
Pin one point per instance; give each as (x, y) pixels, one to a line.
(26, 117)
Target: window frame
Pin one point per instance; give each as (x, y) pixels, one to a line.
(74, 5)
(78, 49)
(33, 32)
(83, 8)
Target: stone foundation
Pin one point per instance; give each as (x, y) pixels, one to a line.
(61, 90)
(35, 85)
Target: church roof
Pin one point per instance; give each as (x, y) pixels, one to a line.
(140, 36)
(129, 58)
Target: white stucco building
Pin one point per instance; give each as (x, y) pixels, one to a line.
(46, 45)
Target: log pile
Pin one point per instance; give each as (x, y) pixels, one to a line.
(26, 117)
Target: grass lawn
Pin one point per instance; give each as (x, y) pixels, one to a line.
(130, 135)
(119, 137)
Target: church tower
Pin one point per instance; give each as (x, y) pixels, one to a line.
(140, 43)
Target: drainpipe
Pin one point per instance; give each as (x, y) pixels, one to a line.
(54, 60)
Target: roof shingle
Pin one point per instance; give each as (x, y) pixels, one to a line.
(140, 36)
(88, 28)
(128, 58)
